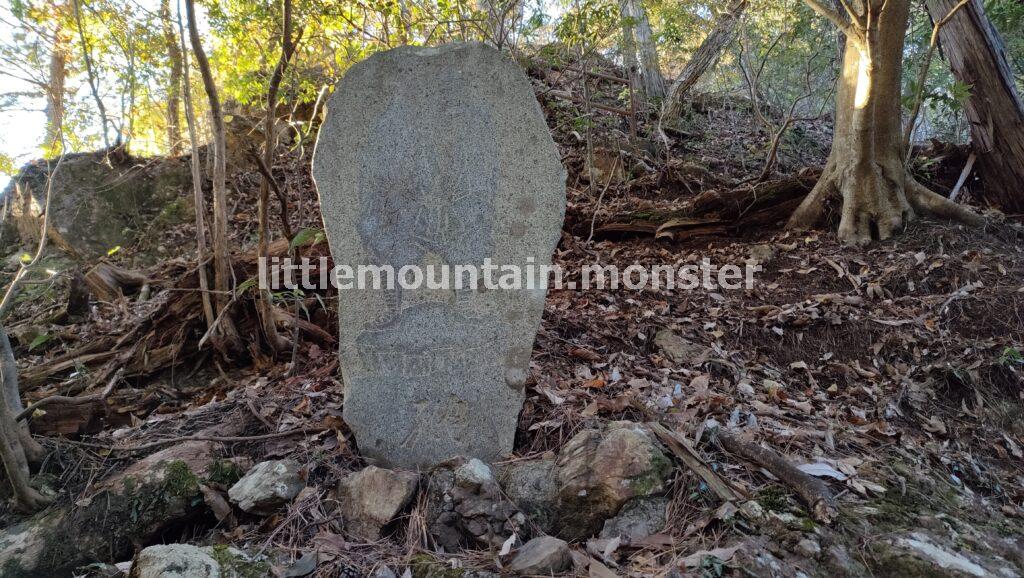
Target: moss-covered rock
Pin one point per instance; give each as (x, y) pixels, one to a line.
(100, 201)
(127, 509)
(599, 470)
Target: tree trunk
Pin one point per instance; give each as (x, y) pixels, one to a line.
(94, 83)
(866, 166)
(226, 336)
(627, 44)
(17, 448)
(640, 39)
(174, 143)
(55, 88)
(197, 180)
(274, 339)
(994, 109)
(705, 57)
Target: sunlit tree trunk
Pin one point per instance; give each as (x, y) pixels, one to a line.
(174, 142)
(865, 167)
(994, 109)
(55, 87)
(197, 177)
(90, 71)
(225, 335)
(639, 40)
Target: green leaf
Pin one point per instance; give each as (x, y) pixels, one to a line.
(39, 340)
(310, 236)
(245, 286)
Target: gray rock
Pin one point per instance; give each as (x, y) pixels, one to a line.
(383, 572)
(99, 201)
(466, 507)
(680, 350)
(174, 561)
(533, 488)
(599, 470)
(542, 556)
(267, 486)
(808, 547)
(372, 497)
(639, 518)
(437, 156)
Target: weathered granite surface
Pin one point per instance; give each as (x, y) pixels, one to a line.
(437, 156)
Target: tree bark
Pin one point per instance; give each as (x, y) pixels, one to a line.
(55, 87)
(94, 83)
(197, 180)
(226, 335)
(17, 448)
(705, 57)
(994, 109)
(641, 40)
(174, 142)
(865, 166)
(274, 339)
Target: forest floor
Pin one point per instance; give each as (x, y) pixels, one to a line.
(893, 373)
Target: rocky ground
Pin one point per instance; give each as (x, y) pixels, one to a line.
(854, 413)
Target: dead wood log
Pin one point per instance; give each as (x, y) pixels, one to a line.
(109, 282)
(813, 491)
(565, 95)
(719, 211)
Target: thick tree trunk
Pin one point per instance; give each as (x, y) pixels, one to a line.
(640, 39)
(227, 338)
(994, 109)
(705, 57)
(866, 166)
(174, 142)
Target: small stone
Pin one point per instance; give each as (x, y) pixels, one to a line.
(174, 561)
(542, 556)
(467, 508)
(267, 486)
(639, 518)
(762, 253)
(753, 511)
(373, 497)
(531, 485)
(808, 547)
(383, 572)
(679, 350)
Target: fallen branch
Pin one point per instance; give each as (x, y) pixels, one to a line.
(68, 400)
(565, 95)
(688, 455)
(812, 491)
(202, 438)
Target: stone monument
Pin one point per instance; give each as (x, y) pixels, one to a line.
(436, 157)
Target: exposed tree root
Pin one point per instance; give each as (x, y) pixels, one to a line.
(875, 207)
